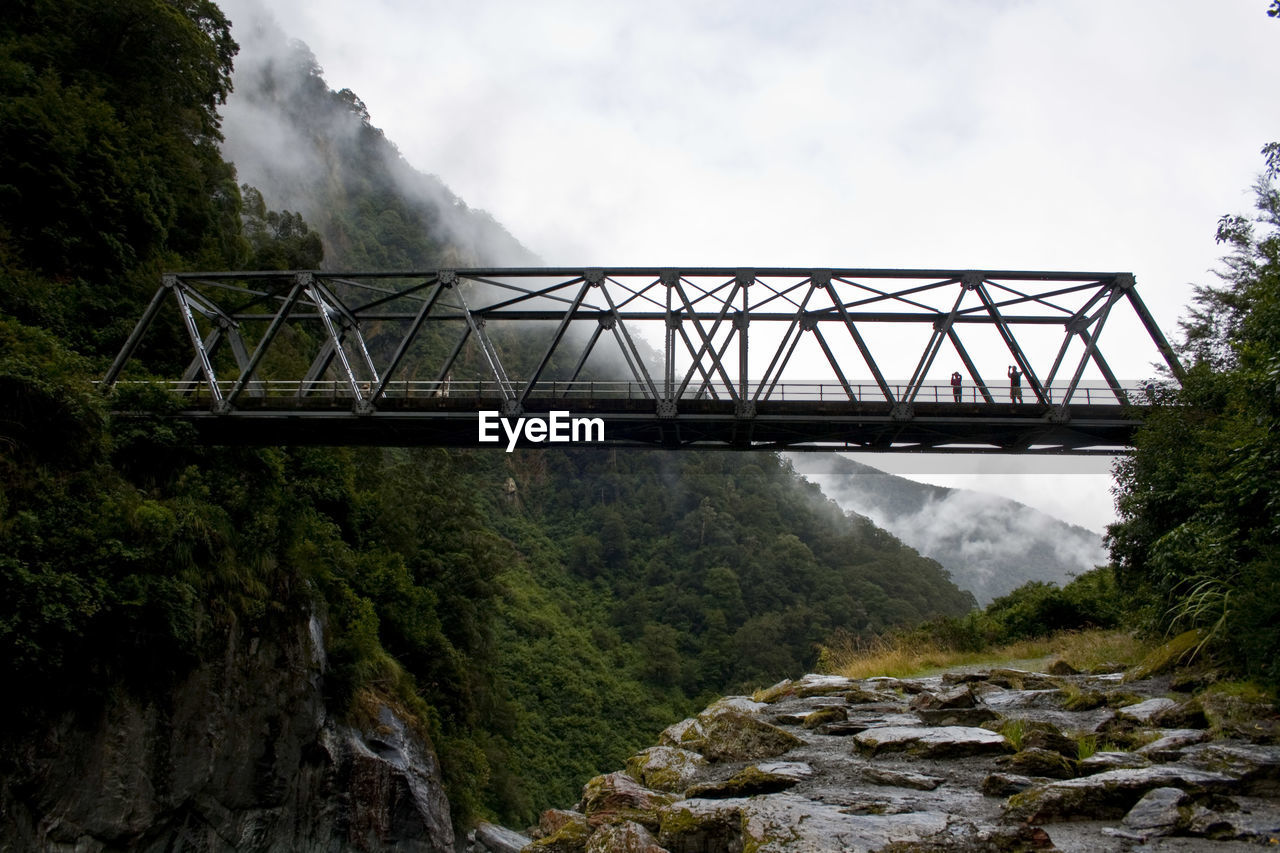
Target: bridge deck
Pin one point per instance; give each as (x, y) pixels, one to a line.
(813, 418)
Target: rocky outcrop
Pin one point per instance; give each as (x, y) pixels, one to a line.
(240, 755)
(1022, 782)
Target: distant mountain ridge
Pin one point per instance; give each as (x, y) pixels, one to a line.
(313, 150)
(990, 545)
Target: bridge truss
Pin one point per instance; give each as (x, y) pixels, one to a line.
(746, 358)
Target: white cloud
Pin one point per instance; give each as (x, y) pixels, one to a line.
(1033, 135)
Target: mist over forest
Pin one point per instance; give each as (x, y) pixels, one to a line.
(991, 545)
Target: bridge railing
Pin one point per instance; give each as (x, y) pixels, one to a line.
(1088, 393)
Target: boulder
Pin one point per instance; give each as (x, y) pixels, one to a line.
(1020, 679)
(733, 704)
(772, 694)
(1257, 767)
(964, 677)
(553, 820)
(734, 736)
(625, 837)
(1100, 762)
(1107, 795)
(821, 685)
(680, 734)
(825, 715)
(1183, 715)
(1005, 784)
(957, 697)
(665, 768)
(1181, 648)
(1061, 667)
(1084, 700)
(569, 837)
(497, 839)
(893, 685)
(616, 796)
(864, 696)
(1040, 762)
(1041, 734)
(1143, 712)
(957, 716)
(695, 826)
(900, 779)
(1157, 813)
(765, 779)
(1171, 742)
(929, 742)
(1236, 716)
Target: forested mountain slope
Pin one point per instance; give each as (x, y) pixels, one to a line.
(534, 617)
(990, 545)
(315, 151)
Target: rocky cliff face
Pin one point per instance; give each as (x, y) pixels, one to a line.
(240, 755)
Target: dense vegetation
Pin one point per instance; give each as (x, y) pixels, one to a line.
(1198, 542)
(538, 633)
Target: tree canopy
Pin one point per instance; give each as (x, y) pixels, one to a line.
(1199, 500)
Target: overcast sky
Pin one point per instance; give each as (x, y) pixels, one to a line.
(1106, 135)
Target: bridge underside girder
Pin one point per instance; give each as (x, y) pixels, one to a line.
(870, 426)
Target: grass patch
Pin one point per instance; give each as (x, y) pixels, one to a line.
(1247, 691)
(901, 657)
(1014, 731)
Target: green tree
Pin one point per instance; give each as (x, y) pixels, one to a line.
(1199, 499)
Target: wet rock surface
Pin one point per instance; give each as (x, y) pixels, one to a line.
(870, 774)
(240, 754)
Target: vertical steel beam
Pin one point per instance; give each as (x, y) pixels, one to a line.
(746, 278)
(193, 332)
(672, 321)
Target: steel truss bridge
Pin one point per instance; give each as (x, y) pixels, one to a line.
(707, 357)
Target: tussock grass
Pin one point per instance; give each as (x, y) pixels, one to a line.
(902, 657)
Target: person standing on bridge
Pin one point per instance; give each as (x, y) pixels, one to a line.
(955, 385)
(1015, 384)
